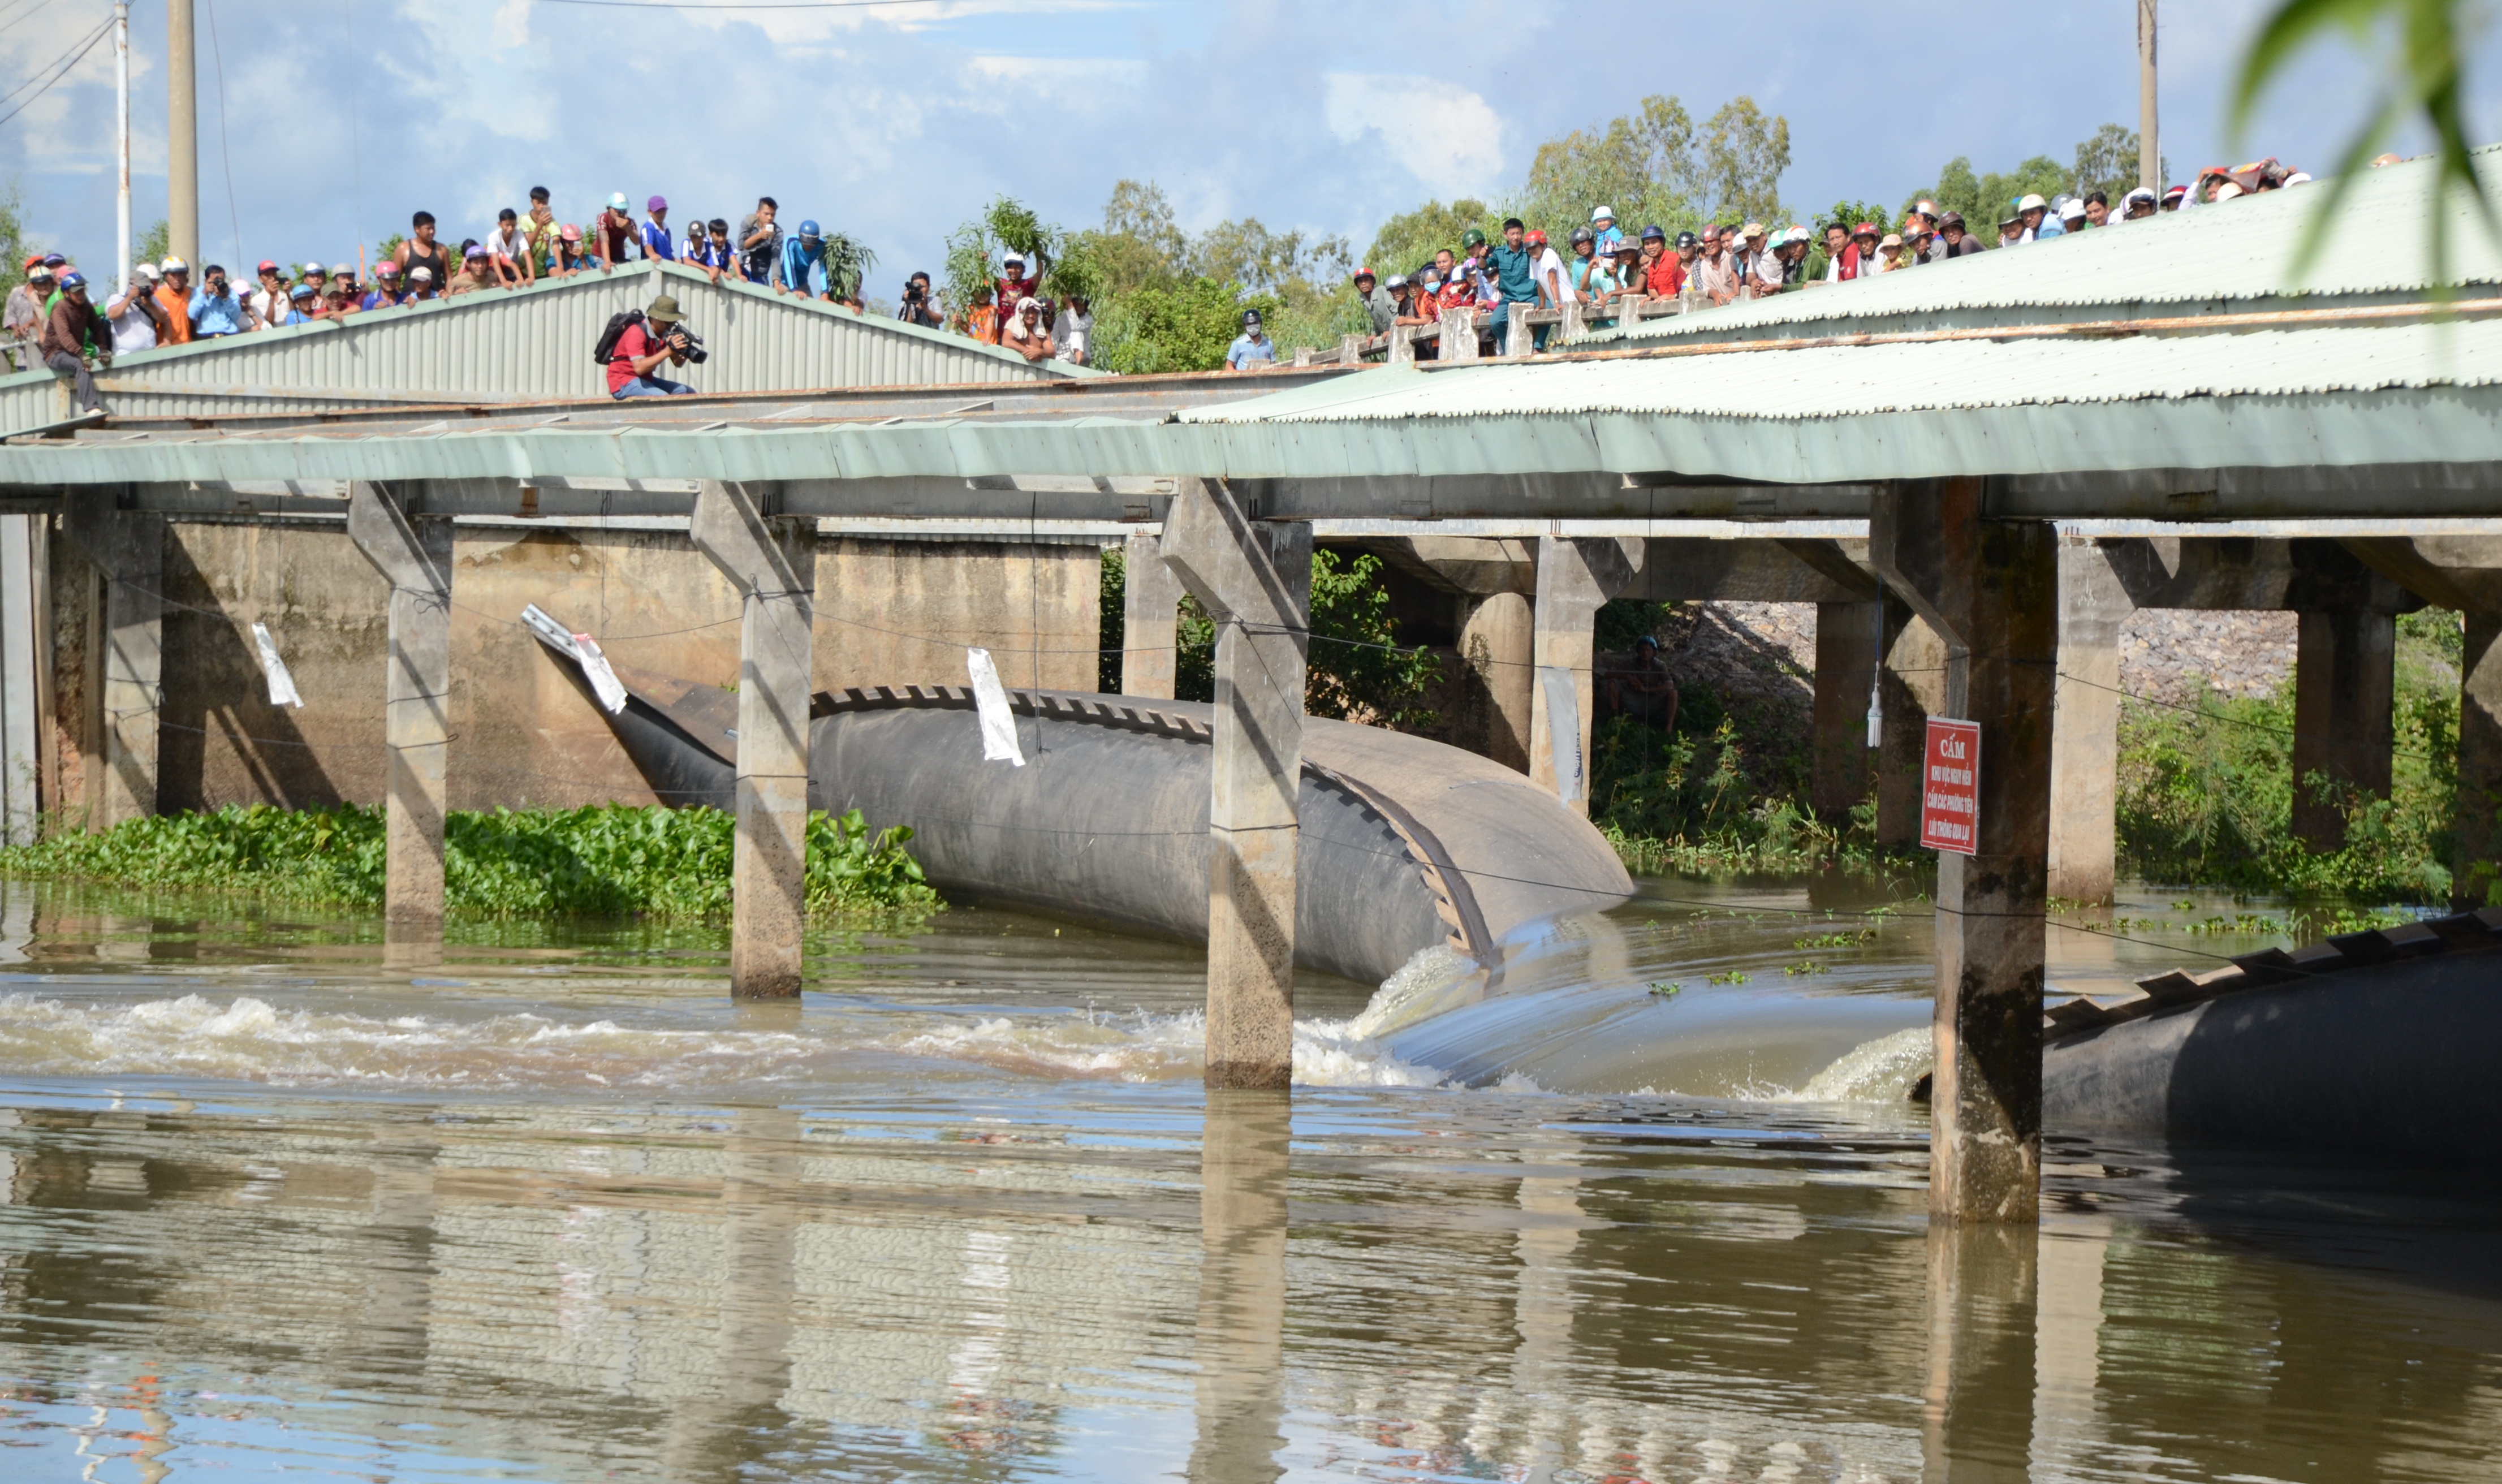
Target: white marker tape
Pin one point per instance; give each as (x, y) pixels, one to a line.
(282, 685)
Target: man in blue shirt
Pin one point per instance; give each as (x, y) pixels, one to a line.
(1251, 349)
(657, 246)
(803, 264)
(216, 310)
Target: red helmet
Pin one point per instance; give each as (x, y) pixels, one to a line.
(1537, 237)
(1869, 228)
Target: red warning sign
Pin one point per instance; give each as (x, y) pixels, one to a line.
(1950, 788)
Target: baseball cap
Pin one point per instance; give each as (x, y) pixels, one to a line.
(656, 204)
(1653, 234)
(175, 265)
(1751, 229)
(476, 249)
(1688, 240)
(2031, 203)
(267, 265)
(809, 229)
(617, 199)
(1603, 213)
(421, 274)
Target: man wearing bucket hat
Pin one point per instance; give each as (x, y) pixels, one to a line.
(659, 335)
(75, 330)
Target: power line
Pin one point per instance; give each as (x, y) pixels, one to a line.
(60, 71)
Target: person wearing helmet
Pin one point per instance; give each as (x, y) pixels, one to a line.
(174, 296)
(385, 292)
(2029, 211)
(1252, 350)
(1380, 309)
(1475, 270)
(803, 270)
(1664, 272)
(74, 331)
(1586, 260)
(1554, 281)
(613, 231)
(2138, 204)
(708, 250)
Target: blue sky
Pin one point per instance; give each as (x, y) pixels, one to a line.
(897, 120)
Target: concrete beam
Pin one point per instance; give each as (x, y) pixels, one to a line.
(1150, 619)
(1990, 589)
(1912, 688)
(2084, 737)
(770, 559)
(412, 552)
(1687, 570)
(1574, 576)
(1498, 655)
(1470, 566)
(2245, 572)
(2344, 674)
(1849, 642)
(128, 547)
(1255, 580)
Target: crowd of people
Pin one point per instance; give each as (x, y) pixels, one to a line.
(1605, 265)
(55, 318)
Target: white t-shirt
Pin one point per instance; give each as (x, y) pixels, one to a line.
(132, 329)
(1071, 332)
(271, 307)
(1549, 274)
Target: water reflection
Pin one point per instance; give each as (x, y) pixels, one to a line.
(1977, 1412)
(1239, 1341)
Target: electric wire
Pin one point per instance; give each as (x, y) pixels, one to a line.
(60, 70)
(217, 61)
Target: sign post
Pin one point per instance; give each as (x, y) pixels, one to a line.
(1950, 787)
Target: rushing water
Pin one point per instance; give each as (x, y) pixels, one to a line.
(1646, 1205)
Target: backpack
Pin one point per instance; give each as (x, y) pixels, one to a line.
(607, 350)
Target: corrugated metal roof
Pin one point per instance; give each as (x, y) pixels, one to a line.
(1841, 382)
(2223, 255)
(530, 343)
(2319, 397)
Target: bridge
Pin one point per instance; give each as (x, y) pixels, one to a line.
(1975, 472)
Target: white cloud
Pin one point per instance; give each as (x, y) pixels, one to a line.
(1449, 138)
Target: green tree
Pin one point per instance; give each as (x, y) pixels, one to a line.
(1984, 200)
(1744, 154)
(1182, 327)
(2108, 163)
(1409, 240)
(1641, 164)
(975, 248)
(14, 244)
(1357, 670)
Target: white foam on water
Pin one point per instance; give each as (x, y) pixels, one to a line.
(252, 1040)
(1436, 979)
(1882, 1071)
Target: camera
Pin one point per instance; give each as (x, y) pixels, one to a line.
(915, 291)
(695, 351)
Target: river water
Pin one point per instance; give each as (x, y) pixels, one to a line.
(1647, 1206)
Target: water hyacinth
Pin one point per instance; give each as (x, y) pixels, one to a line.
(603, 859)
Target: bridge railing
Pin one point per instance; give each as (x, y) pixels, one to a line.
(1464, 330)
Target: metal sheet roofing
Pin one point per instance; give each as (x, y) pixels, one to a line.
(2227, 256)
(527, 343)
(2319, 397)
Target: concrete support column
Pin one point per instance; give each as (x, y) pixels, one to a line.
(1576, 575)
(1459, 339)
(1150, 620)
(2476, 872)
(771, 561)
(1255, 579)
(129, 549)
(1911, 688)
(1990, 587)
(412, 552)
(1848, 640)
(1498, 654)
(2344, 682)
(2084, 733)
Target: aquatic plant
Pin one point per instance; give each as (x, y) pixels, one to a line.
(603, 859)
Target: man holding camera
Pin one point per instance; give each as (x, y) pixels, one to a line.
(660, 336)
(920, 305)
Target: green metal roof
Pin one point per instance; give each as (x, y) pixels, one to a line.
(2229, 256)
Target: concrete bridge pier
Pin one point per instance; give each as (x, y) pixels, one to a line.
(1576, 576)
(1499, 661)
(1150, 620)
(2344, 674)
(1911, 688)
(1255, 580)
(771, 561)
(1991, 589)
(2463, 573)
(412, 552)
(2084, 733)
(129, 549)
(1849, 643)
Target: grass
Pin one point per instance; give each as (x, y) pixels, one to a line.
(608, 860)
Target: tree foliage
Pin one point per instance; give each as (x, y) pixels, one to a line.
(1744, 154)
(1641, 164)
(1409, 240)
(1357, 669)
(1985, 200)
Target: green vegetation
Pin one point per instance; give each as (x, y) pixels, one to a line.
(2106, 162)
(608, 860)
(1357, 671)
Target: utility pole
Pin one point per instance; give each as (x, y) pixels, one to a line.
(182, 136)
(121, 122)
(2149, 149)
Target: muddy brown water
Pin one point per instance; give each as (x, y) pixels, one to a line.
(1648, 1207)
